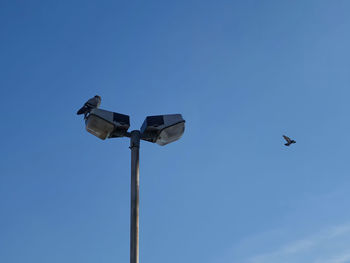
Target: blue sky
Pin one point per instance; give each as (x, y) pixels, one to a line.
(242, 73)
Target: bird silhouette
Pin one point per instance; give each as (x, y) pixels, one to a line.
(289, 141)
(89, 105)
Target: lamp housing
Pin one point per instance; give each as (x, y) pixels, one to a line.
(163, 129)
(106, 124)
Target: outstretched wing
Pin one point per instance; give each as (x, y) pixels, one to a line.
(287, 138)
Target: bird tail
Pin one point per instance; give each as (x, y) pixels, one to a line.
(82, 110)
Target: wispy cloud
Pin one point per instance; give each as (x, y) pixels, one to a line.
(345, 258)
(328, 246)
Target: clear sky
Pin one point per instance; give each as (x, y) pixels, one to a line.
(242, 73)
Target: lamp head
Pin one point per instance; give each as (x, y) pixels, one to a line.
(163, 129)
(106, 124)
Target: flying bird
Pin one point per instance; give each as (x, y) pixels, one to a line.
(289, 141)
(89, 105)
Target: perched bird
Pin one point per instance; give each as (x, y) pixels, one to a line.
(289, 141)
(89, 105)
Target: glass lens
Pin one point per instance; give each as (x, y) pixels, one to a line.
(171, 134)
(99, 127)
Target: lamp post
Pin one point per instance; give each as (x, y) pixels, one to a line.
(135, 185)
(161, 129)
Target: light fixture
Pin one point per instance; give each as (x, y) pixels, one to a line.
(106, 124)
(163, 129)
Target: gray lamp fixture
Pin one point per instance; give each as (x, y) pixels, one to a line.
(163, 129)
(160, 129)
(106, 124)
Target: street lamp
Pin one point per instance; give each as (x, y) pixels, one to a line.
(106, 124)
(163, 129)
(160, 129)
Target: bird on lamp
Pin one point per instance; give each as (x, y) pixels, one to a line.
(289, 140)
(92, 103)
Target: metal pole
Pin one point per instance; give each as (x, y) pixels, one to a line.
(135, 182)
